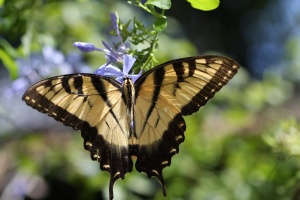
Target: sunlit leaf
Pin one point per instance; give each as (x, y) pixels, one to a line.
(160, 24)
(162, 4)
(205, 5)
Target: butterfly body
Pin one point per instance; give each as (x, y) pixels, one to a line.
(141, 119)
(128, 94)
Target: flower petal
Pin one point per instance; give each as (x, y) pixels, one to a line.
(128, 62)
(113, 18)
(84, 47)
(120, 79)
(113, 56)
(109, 70)
(134, 77)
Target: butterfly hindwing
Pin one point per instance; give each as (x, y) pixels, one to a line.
(93, 105)
(163, 95)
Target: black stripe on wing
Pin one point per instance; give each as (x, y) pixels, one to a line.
(158, 78)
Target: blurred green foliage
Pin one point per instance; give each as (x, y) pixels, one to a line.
(243, 145)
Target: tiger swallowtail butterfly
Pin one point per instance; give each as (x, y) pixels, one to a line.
(141, 119)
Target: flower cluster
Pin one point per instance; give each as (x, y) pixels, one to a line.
(48, 62)
(113, 57)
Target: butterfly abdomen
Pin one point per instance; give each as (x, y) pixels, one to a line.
(128, 95)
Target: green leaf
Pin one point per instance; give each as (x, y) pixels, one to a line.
(9, 63)
(205, 5)
(160, 24)
(162, 4)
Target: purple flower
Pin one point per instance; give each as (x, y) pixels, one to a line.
(113, 18)
(48, 62)
(86, 47)
(112, 71)
(114, 57)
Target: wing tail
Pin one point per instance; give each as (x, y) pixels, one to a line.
(153, 158)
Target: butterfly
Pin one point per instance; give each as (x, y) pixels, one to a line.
(140, 119)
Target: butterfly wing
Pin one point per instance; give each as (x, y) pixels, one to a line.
(93, 105)
(163, 95)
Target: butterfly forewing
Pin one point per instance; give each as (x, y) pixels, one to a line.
(163, 95)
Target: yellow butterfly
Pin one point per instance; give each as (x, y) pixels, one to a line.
(140, 119)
